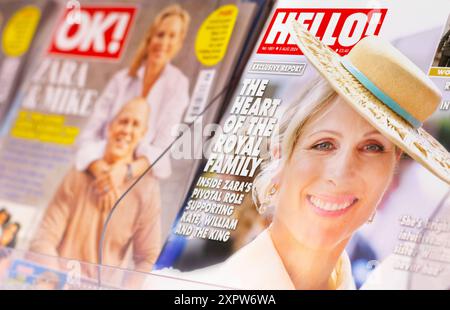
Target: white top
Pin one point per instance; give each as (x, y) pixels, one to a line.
(168, 99)
(399, 272)
(257, 266)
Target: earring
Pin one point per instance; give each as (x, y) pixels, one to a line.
(370, 220)
(268, 199)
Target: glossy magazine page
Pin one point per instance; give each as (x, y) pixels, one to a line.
(19, 21)
(112, 85)
(330, 168)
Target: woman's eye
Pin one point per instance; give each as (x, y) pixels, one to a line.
(323, 146)
(374, 148)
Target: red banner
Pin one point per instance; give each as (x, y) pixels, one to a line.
(93, 32)
(340, 29)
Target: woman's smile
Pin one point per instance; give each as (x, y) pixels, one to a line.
(331, 205)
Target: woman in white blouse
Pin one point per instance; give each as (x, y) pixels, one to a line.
(166, 89)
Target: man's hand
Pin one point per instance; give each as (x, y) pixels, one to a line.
(107, 181)
(98, 168)
(118, 174)
(104, 187)
(106, 192)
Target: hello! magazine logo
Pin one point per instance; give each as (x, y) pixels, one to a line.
(338, 28)
(93, 31)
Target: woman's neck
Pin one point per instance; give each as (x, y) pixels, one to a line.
(151, 74)
(308, 268)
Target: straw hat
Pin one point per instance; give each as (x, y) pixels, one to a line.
(387, 89)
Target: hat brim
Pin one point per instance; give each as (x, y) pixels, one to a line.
(417, 143)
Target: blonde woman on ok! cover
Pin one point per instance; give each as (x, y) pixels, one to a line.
(334, 157)
(165, 87)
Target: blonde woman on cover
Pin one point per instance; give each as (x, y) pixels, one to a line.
(166, 89)
(334, 157)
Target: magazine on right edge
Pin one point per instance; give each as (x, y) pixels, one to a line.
(330, 168)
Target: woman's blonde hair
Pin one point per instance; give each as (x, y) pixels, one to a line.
(141, 53)
(313, 98)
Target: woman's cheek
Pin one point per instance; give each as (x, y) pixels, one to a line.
(292, 182)
(375, 177)
(378, 174)
(174, 50)
(308, 165)
(300, 177)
